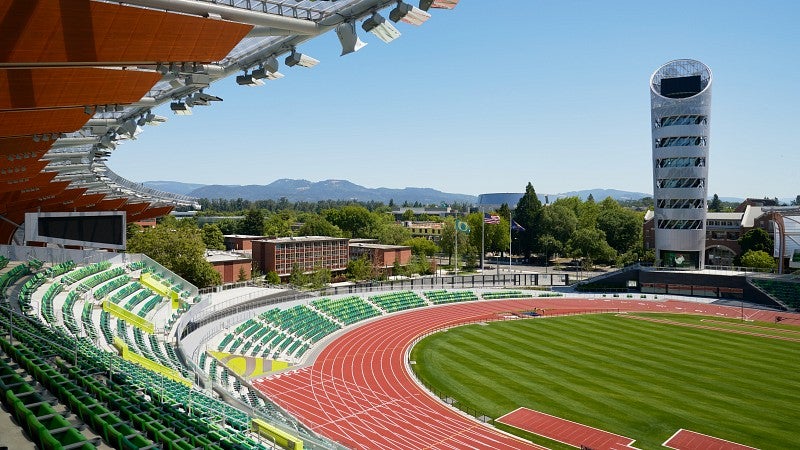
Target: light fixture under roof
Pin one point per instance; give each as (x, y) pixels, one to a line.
(408, 14)
(202, 99)
(248, 80)
(180, 108)
(299, 59)
(378, 26)
(346, 31)
(441, 4)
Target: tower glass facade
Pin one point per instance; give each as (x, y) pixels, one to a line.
(680, 106)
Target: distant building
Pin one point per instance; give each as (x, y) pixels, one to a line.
(240, 242)
(230, 265)
(431, 231)
(309, 253)
(493, 201)
(383, 257)
(398, 212)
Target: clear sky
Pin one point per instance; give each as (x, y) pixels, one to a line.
(493, 94)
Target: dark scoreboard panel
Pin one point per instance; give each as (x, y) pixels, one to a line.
(96, 230)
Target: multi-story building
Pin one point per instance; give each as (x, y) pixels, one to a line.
(680, 101)
(240, 242)
(383, 257)
(309, 253)
(431, 231)
(231, 266)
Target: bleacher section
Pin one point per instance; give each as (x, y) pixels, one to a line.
(442, 297)
(129, 407)
(348, 310)
(397, 301)
(787, 292)
(507, 294)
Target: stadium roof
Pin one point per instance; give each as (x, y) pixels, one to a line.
(78, 78)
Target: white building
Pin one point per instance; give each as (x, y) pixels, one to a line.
(680, 101)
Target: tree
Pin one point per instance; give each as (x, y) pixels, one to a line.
(529, 215)
(252, 223)
(297, 277)
(408, 215)
(319, 278)
(796, 201)
(559, 222)
(758, 259)
(318, 226)
(279, 224)
(360, 268)
(212, 237)
(421, 246)
(715, 205)
(588, 215)
(550, 245)
(591, 243)
(391, 233)
(622, 227)
(756, 240)
(242, 275)
(272, 277)
(179, 247)
(354, 221)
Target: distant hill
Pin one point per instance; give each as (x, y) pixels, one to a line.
(173, 186)
(304, 190)
(600, 194)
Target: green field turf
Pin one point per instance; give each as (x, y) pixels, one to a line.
(635, 378)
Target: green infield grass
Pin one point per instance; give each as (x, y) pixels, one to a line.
(631, 377)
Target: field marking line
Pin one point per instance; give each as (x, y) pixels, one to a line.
(707, 436)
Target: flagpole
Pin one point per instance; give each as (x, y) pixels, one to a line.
(483, 236)
(455, 236)
(510, 226)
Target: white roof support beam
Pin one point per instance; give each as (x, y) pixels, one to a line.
(206, 9)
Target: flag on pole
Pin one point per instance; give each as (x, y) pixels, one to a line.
(462, 226)
(516, 227)
(492, 219)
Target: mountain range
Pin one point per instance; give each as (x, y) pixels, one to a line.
(308, 191)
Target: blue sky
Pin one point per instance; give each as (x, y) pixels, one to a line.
(491, 95)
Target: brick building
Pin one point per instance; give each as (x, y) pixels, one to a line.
(279, 255)
(230, 265)
(383, 257)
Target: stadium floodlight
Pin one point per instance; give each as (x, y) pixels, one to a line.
(299, 59)
(346, 31)
(198, 80)
(378, 26)
(441, 4)
(408, 14)
(180, 108)
(129, 127)
(107, 142)
(202, 99)
(248, 80)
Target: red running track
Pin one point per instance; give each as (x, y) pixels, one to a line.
(565, 431)
(359, 393)
(690, 440)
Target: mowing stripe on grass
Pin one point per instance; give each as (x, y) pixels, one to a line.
(633, 378)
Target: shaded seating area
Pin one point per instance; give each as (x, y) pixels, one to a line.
(786, 291)
(499, 295)
(441, 297)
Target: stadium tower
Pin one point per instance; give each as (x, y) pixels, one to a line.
(680, 106)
